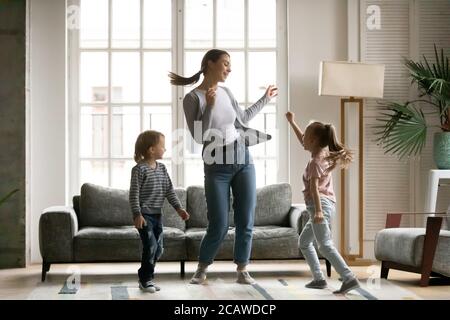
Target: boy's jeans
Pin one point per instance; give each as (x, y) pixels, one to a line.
(322, 234)
(152, 245)
(218, 180)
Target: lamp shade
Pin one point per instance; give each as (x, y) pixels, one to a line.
(350, 79)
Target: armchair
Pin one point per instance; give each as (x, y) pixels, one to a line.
(419, 250)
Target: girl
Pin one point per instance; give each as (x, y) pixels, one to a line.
(326, 152)
(150, 185)
(215, 120)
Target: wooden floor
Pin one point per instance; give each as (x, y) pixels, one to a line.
(276, 279)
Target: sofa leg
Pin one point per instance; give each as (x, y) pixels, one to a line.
(429, 248)
(425, 273)
(328, 265)
(384, 270)
(45, 269)
(182, 269)
(424, 279)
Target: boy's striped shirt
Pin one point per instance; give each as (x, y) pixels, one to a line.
(149, 187)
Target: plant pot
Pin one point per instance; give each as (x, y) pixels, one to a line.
(441, 150)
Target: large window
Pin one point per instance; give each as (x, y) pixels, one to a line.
(119, 59)
(247, 30)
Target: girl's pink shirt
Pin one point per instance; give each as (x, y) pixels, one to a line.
(316, 168)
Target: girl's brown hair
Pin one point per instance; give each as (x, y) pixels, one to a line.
(212, 55)
(326, 133)
(145, 140)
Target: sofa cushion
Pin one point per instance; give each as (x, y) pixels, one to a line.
(123, 244)
(405, 246)
(194, 237)
(274, 242)
(107, 244)
(269, 242)
(174, 244)
(104, 207)
(272, 208)
(170, 216)
(196, 206)
(107, 207)
(107, 233)
(273, 204)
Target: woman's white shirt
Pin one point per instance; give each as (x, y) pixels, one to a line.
(223, 115)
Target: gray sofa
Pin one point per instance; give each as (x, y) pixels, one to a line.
(99, 228)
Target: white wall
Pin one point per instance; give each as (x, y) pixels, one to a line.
(317, 30)
(47, 113)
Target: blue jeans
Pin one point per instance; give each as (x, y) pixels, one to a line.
(322, 234)
(218, 180)
(152, 245)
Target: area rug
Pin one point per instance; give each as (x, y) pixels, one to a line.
(218, 287)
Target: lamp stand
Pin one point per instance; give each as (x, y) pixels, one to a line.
(353, 259)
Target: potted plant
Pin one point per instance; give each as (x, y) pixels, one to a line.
(2, 200)
(403, 126)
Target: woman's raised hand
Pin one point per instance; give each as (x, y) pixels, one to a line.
(271, 92)
(211, 97)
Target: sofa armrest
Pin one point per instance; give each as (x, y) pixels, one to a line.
(295, 217)
(57, 228)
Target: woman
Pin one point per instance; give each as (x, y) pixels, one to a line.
(215, 120)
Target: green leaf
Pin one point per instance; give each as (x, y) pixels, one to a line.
(2, 200)
(401, 127)
(403, 131)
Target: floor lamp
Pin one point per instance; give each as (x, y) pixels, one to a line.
(352, 82)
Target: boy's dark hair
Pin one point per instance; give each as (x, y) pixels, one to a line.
(212, 55)
(145, 140)
(326, 133)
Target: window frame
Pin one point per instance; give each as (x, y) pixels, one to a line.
(178, 56)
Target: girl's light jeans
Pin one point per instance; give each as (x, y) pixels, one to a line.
(321, 232)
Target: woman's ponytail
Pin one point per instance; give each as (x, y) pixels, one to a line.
(178, 80)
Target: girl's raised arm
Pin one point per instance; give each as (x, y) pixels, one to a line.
(298, 132)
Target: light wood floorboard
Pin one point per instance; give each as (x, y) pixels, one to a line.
(99, 277)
